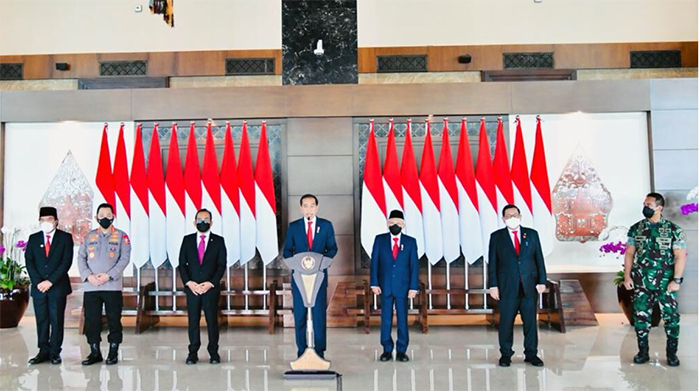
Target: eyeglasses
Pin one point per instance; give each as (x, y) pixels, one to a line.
(517, 216)
(203, 221)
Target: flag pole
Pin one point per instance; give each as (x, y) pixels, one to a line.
(466, 283)
(264, 286)
(245, 285)
(430, 284)
(157, 290)
(449, 301)
(485, 273)
(228, 287)
(174, 287)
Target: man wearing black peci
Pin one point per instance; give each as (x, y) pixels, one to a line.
(49, 256)
(202, 265)
(517, 277)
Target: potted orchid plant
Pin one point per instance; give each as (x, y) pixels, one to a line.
(14, 283)
(692, 206)
(616, 246)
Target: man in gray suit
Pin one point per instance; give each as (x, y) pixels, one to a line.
(102, 258)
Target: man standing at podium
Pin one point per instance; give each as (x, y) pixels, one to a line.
(517, 277)
(310, 233)
(394, 276)
(202, 265)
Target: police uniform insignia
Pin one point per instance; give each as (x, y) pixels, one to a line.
(92, 255)
(126, 239)
(111, 255)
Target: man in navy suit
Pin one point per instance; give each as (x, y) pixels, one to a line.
(48, 258)
(517, 277)
(394, 276)
(315, 234)
(202, 265)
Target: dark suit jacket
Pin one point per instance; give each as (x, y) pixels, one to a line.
(506, 269)
(213, 264)
(324, 239)
(394, 276)
(55, 268)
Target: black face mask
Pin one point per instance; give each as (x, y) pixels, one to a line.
(105, 222)
(395, 229)
(648, 212)
(203, 227)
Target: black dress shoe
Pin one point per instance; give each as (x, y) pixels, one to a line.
(95, 355)
(113, 356)
(39, 358)
(535, 361)
(56, 360)
(504, 361)
(215, 360)
(401, 357)
(191, 359)
(386, 356)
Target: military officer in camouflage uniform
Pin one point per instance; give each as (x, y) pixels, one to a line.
(102, 258)
(654, 263)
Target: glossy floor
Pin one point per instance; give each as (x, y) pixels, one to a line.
(448, 358)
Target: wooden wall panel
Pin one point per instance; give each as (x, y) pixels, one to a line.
(440, 58)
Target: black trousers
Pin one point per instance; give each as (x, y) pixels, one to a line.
(209, 303)
(113, 303)
(509, 308)
(50, 313)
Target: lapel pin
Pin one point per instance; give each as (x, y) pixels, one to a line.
(402, 247)
(41, 245)
(318, 229)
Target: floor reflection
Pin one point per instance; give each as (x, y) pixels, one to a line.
(449, 358)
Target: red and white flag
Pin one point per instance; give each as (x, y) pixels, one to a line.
(541, 194)
(104, 180)
(265, 208)
(522, 191)
(392, 175)
(412, 202)
(374, 214)
(501, 172)
(211, 194)
(470, 236)
(139, 206)
(121, 186)
(449, 201)
(246, 183)
(486, 191)
(174, 200)
(157, 225)
(193, 181)
(430, 195)
(230, 208)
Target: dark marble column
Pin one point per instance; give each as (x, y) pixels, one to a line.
(304, 22)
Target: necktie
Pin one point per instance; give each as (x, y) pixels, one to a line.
(310, 235)
(517, 242)
(48, 245)
(395, 248)
(200, 248)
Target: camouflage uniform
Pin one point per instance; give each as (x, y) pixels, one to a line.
(652, 270)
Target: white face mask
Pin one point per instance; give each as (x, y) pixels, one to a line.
(513, 223)
(47, 227)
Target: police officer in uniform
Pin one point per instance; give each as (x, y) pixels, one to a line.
(654, 263)
(102, 258)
